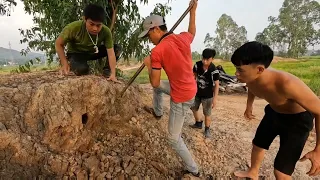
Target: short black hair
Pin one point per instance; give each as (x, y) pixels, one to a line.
(252, 53)
(163, 27)
(94, 12)
(208, 53)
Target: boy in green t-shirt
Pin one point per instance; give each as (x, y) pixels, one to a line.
(87, 39)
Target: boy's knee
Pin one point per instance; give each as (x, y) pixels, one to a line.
(81, 69)
(281, 176)
(173, 141)
(207, 112)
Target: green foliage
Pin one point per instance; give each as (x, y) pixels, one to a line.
(196, 55)
(119, 73)
(294, 29)
(6, 7)
(51, 16)
(229, 36)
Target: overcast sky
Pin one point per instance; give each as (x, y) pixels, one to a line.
(253, 14)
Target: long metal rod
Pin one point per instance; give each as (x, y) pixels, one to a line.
(143, 65)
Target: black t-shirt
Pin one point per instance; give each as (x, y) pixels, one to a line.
(205, 79)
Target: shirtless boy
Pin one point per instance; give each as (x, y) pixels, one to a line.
(289, 114)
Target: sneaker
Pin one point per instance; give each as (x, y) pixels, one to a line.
(185, 172)
(151, 111)
(197, 125)
(207, 133)
(106, 72)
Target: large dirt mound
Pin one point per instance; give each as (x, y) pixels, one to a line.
(48, 122)
(54, 127)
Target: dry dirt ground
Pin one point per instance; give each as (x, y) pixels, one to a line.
(44, 135)
(230, 145)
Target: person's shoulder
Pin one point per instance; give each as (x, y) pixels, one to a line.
(75, 24)
(284, 80)
(199, 63)
(212, 67)
(106, 28)
(162, 46)
(185, 33)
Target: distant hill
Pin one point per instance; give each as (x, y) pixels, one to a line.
(6, 55)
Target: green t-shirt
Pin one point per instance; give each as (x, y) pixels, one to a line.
(77, 38)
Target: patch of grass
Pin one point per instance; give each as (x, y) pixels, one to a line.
(34, 68)
(310, 57)
(143, 77)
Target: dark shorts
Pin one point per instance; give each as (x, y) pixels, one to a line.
(293, 130)
(206, 105)
(79, 61)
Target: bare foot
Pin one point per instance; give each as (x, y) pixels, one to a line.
(246, 174)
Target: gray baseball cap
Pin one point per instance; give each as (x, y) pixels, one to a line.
(150, 22)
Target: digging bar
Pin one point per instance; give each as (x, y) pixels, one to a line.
(142, 66)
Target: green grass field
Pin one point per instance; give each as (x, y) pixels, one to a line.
(307, 70)
(34, 68)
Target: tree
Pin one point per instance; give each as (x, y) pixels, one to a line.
(295, 27)
(5, 7)
(229, 36)
(196, 56)
(51, 16)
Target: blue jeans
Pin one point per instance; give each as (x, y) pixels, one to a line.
(177, 116)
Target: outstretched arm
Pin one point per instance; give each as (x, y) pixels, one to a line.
(250, 99)
(192, 20)
(59, 45)
(304, 96)
(154, 73)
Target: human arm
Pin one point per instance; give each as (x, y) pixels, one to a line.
(192, 20)
(111, 55)
(215, 93)
(248, 112)
(154, 73)
(195, 71)
(297, 91)
(64, 37)
(215, 80)
(59, 46)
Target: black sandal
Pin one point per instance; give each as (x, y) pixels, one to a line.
(151, 111)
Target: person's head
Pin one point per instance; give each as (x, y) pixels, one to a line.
(250, 60)
(154, 27)
(94, 15)
(207, 56)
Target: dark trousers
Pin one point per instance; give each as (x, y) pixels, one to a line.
(78, 61)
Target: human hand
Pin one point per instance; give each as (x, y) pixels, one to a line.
(113, 78)
(65, 69)
(214, 103)
(314, 157)
(195, 4)
(248, 114)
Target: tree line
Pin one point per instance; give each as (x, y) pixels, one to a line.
(291, 33)
(51, 16)
(296, 28)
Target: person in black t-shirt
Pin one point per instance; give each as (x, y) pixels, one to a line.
(207, 77)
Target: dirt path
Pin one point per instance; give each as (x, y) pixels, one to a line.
(127, 68)
(230, 145)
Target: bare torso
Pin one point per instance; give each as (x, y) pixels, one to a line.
(274, 94)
